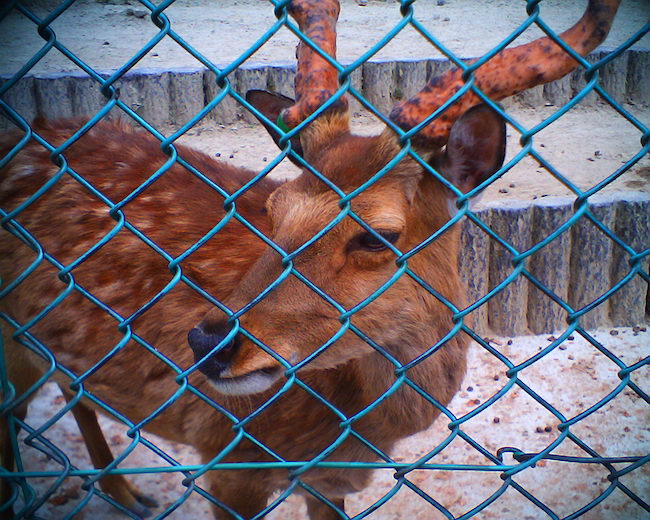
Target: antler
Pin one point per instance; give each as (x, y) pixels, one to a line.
(507, 73)
(316, 79)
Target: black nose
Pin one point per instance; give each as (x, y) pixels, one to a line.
(203, 341)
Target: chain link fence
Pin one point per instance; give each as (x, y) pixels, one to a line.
(521, 261)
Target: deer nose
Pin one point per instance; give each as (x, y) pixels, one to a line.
(203, 339)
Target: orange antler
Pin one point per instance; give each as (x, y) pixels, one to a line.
(507, 73)
(316, 79)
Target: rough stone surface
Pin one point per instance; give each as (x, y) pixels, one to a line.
(532, 97)
(550, 265)
(591, 254)
(53, 95)
(438, 66)
(87, 96)
(578, 81)
(357, 83)
(410, 76)
(186, 94)
(473, 263)
(247, 79)
(281, 78)
(21, 98)
(512, 222)
(378, 81)
(613, 76)
(638, 79)
(558, 92)
(628, 305)
(181, 93)
(226, 110)
(147, 93)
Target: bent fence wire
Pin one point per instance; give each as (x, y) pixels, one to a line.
(26, 499)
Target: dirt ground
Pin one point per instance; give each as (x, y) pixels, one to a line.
(104, 34)
(571, 378)
(585, 145)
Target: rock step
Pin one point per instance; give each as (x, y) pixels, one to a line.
(175, 96)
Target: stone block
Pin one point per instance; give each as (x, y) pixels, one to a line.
(473, 264)
(147, 93)
(550, 265)
(638, 77)
(507, 309)
(247, 78)
(410, 77)
(632, 226)
(53, 95)
(591, 258)
(225, 112)
(87, 98)
(186, 98)
(21, 98)
(378, 85)
(438, 66)
(558, 92)
(281, 78)
(357, 84)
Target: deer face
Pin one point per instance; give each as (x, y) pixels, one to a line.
(348, 263)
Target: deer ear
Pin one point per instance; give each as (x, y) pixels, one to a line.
(271, 104)
(476, 148)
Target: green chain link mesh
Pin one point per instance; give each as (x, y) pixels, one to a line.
(31, 500)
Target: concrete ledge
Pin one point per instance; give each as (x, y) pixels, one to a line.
(174, 96)
(578, 266)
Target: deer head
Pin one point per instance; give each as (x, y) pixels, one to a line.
(357, 254)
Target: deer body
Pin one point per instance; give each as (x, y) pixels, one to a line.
(368, 339)
(126, 274)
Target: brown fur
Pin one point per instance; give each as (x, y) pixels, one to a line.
(174, 212)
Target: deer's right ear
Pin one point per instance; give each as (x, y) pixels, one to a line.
(271, 104)
(475, 150)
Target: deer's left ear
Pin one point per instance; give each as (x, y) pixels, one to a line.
(475, 150)
(271, 104)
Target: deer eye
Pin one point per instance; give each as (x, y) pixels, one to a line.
(369, 242)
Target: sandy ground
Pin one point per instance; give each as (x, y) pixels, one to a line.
(571, 378)
(104, 35)
(586, 145)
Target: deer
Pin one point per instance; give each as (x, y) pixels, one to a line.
(286, 341)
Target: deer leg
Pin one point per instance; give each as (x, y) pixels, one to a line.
(243, 491)
(117, 486)
(22, 374)
(8, 458)
(319, 510)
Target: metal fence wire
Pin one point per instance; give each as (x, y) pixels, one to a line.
(25, 500)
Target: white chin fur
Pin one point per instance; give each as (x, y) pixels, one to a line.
(252, 383)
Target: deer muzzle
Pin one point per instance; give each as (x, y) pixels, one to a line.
(229, 365)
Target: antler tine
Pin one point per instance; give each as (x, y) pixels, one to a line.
(507, 73)
(316, 79)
